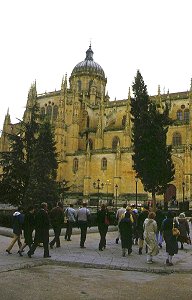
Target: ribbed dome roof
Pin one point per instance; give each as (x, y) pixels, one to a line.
(88, 66)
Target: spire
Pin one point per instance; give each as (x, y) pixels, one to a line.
(7, 120)
(190, 91)
(128, 115)
(159, 90)
(89, 53)
(65, 82)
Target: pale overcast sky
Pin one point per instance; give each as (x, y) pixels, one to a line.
(44, 39)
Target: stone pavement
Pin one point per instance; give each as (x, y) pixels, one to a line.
(70, 254)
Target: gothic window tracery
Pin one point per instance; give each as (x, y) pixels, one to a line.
(55, 112)
(42, 111)
(75, 165)
(90, 144)
(186, 115)
(124, 120)
(177, 139)
(104, 163)
(49, 112)
(179, 115)
(79, 85)
(88, 121)
(115, 141)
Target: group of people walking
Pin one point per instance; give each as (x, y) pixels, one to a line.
(41, 221)
(145, 229)
(148, 229)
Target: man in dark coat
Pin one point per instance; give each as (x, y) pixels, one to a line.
(41, 231)
(170, 239)
(126, 231)
(159, 219)
(57, 220)
(103, 223)
(28, 227)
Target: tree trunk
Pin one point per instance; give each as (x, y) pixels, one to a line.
(153, 201)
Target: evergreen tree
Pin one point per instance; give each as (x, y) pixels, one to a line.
(42, 185)
(152, 157)
(16, 163)
(14, 177)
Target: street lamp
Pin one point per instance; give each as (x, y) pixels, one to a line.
(136, 182)
(107, 184)
(99, 187)
(183, 185)
(116, 188)
(62, 185)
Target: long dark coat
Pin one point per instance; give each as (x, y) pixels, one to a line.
(29, 226)
(41, 226)
(125, 227)
(140, 220)
(184, 230)
(170, 240)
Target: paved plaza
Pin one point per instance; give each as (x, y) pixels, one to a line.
(73, 273)
(70, 254)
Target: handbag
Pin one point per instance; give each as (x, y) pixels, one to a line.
(175, 231)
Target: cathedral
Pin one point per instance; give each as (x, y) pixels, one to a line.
(93, 137)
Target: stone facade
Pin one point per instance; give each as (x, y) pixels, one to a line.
(93, 135)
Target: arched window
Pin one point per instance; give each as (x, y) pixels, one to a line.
(79, 85)
(179, 115)
(49, 111)
(90, 84)
(124, 120)
(186, 115)
(176, 139)
(88, 121)
(42, 111)
(115, 141)
(90, 144)
(104, 163)
(75, 165)
(55, 112)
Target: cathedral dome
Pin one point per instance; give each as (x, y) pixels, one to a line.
(88, 66)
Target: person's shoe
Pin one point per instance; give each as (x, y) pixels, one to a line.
(47, 256)
(149, 261)
(82, 247)
(20, 253)
(117, 241)
(140, 251)
(167, 262)
(69, 240)
(8, 251)
(29, 254)
(58, 246)
(129, 251)
(100, 249)
(170, 264)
